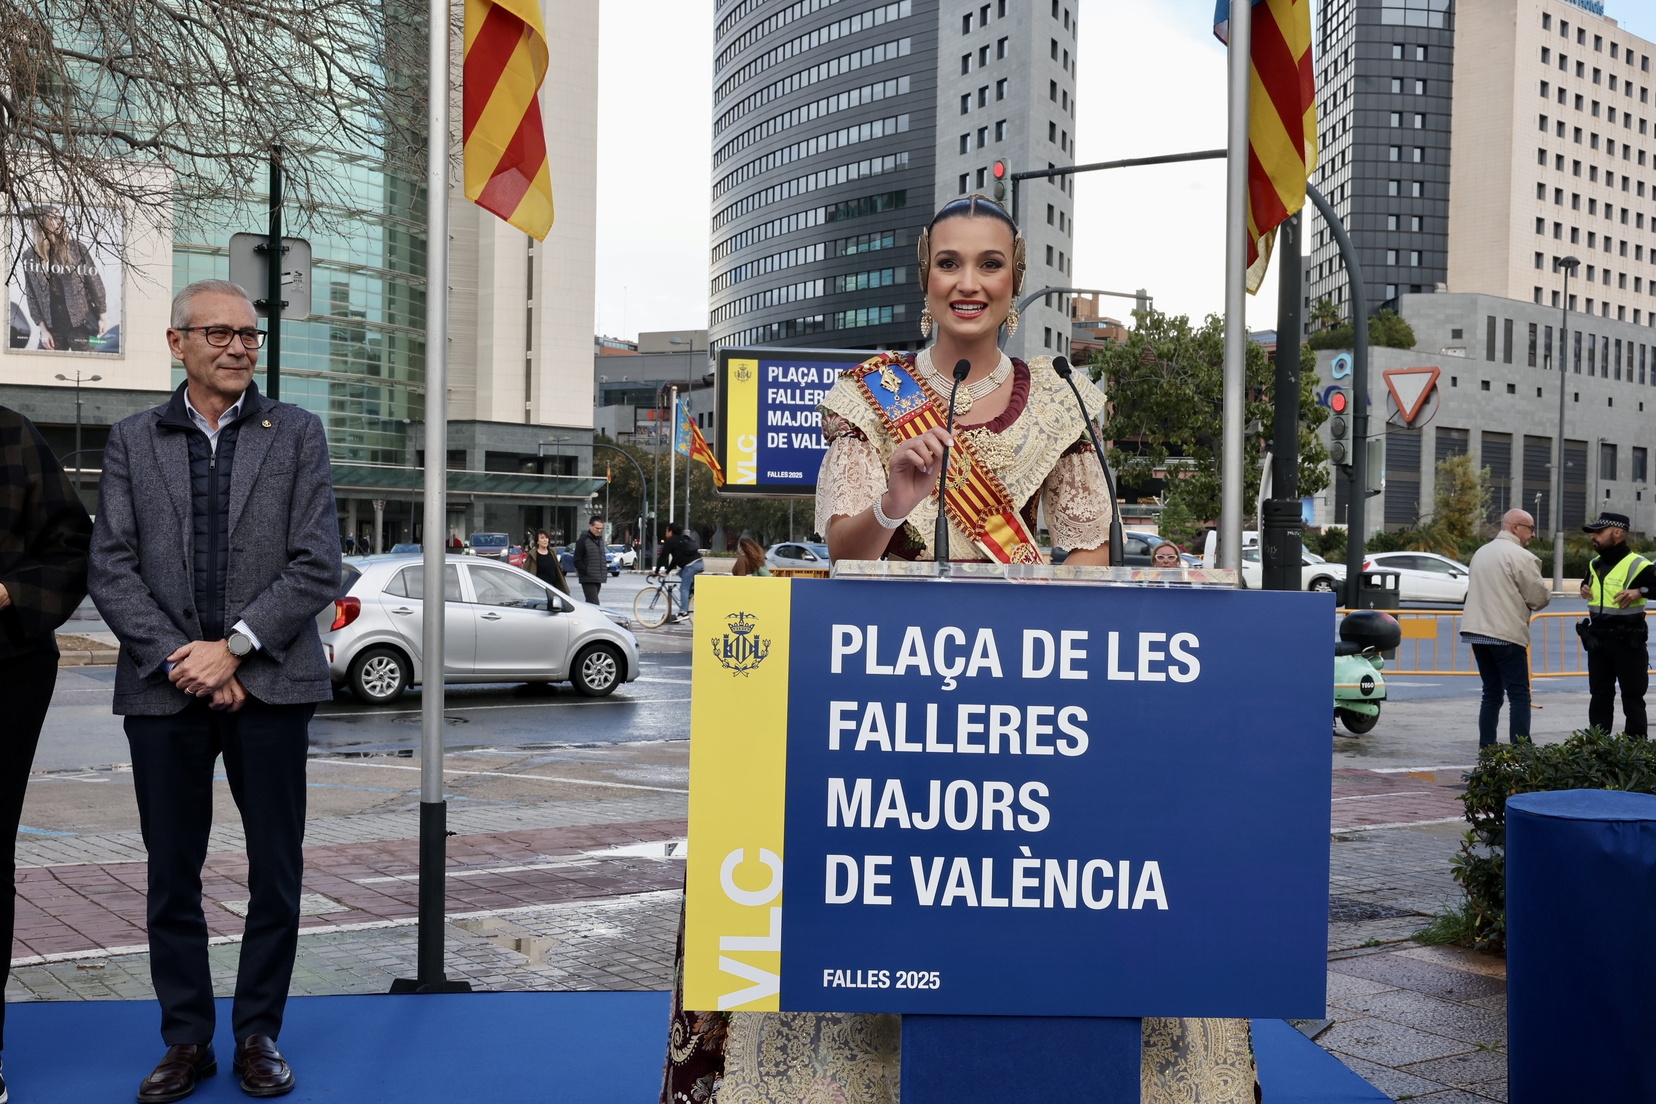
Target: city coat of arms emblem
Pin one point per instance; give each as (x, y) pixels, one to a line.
(741, 648)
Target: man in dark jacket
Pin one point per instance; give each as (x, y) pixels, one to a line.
(1617, 584)
(216, 545)
(44, 532)
(591, 565)
(679, 550)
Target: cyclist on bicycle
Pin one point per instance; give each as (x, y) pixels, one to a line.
(679, 550)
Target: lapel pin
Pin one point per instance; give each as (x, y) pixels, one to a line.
(267, 423)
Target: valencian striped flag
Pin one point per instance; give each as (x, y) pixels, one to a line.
(688, 440)
(1282, 120)
(505, 142)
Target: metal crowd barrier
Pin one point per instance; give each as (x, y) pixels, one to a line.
(1432, 645)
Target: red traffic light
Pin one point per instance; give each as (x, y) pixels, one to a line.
(1000, 170)
(1337, 402)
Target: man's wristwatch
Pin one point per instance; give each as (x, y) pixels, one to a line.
(240, 645)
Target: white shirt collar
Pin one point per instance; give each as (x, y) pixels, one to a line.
(200, 419)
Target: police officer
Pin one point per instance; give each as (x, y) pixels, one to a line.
(1617, 584)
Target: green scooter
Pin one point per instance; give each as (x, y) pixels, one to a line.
(1359, 684)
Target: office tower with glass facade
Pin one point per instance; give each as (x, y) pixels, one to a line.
(1384, 72)
(837, 132)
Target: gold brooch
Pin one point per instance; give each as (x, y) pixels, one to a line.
(266, 423)
(889, 380)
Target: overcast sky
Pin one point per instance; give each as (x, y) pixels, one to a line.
(1152, 81)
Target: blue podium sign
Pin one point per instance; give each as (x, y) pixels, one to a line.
(1006, 798)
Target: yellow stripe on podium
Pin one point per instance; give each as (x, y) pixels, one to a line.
(738, 771)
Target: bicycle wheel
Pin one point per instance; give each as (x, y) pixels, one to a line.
(652, 606)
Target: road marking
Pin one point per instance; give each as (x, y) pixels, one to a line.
(588, 704)
(1399, 824)
(1371, 797)
(652, 678)
(605, 903)
(1419, 770)
(477, 872)
(503, 774)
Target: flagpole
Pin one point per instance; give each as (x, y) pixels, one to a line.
(672, 458)
(433, 811)
(1236, 254)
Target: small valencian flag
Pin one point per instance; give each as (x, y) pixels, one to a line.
(503, 136)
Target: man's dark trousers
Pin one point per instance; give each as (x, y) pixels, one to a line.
(590, 591)
(28, 679)
(1613, 661)
(172, 767)
(1504, 669)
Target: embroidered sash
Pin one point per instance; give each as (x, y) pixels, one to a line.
(975, 500)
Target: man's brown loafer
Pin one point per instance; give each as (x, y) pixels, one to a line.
(261, 1067)
(176, 1075)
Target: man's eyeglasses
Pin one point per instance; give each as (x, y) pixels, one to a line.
(219, 336)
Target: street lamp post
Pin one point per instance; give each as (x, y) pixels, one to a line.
(1566, 265)
(77, 381)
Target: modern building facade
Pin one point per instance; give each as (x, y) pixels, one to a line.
(1496, 395)
(839, 130)
(1554, 156)
(1385, 96)
(520, 383)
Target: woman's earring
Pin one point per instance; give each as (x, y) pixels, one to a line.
(1012, 321)
(926, 321)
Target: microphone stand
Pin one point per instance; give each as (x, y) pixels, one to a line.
(1061, 365)
(940, 531)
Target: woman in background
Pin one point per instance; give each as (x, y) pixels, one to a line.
(750, 558)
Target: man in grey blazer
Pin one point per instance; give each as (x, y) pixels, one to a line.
(215, 547)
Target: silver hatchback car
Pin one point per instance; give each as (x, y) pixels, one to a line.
(500, 625)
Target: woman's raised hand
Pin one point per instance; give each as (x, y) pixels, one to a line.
(915, 467)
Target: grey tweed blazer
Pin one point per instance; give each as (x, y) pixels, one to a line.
(284, 554)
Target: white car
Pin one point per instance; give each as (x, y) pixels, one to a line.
(625, 554)
(1423, 576)
(1316, 573)
(501, 625)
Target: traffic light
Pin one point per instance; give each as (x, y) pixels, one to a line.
(1340, 404)
(1000, 181)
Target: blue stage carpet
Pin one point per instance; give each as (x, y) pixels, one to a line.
(489, 1048)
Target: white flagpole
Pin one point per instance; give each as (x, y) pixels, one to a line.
(433, 812)
(672, 456)
(1236, 253)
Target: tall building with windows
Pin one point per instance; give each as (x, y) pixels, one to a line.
(1554, 157)
(1385, 76)
(839, 127)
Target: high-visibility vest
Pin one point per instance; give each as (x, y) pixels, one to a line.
(1603, 590)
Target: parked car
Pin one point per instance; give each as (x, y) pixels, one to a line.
(1423, 576)
(625, 555)
(797, 554)
(1316, 573)
(566, 556)
(1136, 547)
(495, 546)
(517, 555)
(501, 624)
(404, 548)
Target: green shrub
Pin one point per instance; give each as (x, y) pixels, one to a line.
(1330, 544)
(1403, 540)
(1588, 760)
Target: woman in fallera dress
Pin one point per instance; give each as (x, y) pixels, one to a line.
(1019, 446)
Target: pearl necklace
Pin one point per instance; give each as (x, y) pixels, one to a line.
(970, 392)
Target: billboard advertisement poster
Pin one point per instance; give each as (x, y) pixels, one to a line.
(770, 433)
(64, 280)
(998, 798)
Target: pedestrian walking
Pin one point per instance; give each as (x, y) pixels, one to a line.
(591, 564)
(544, 563)
(44, 533)
(216, 545)
(679, 550)
(1504, 588)
(1618, 582)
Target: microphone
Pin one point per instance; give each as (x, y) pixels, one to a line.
(1061, 365)
(940, 532)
